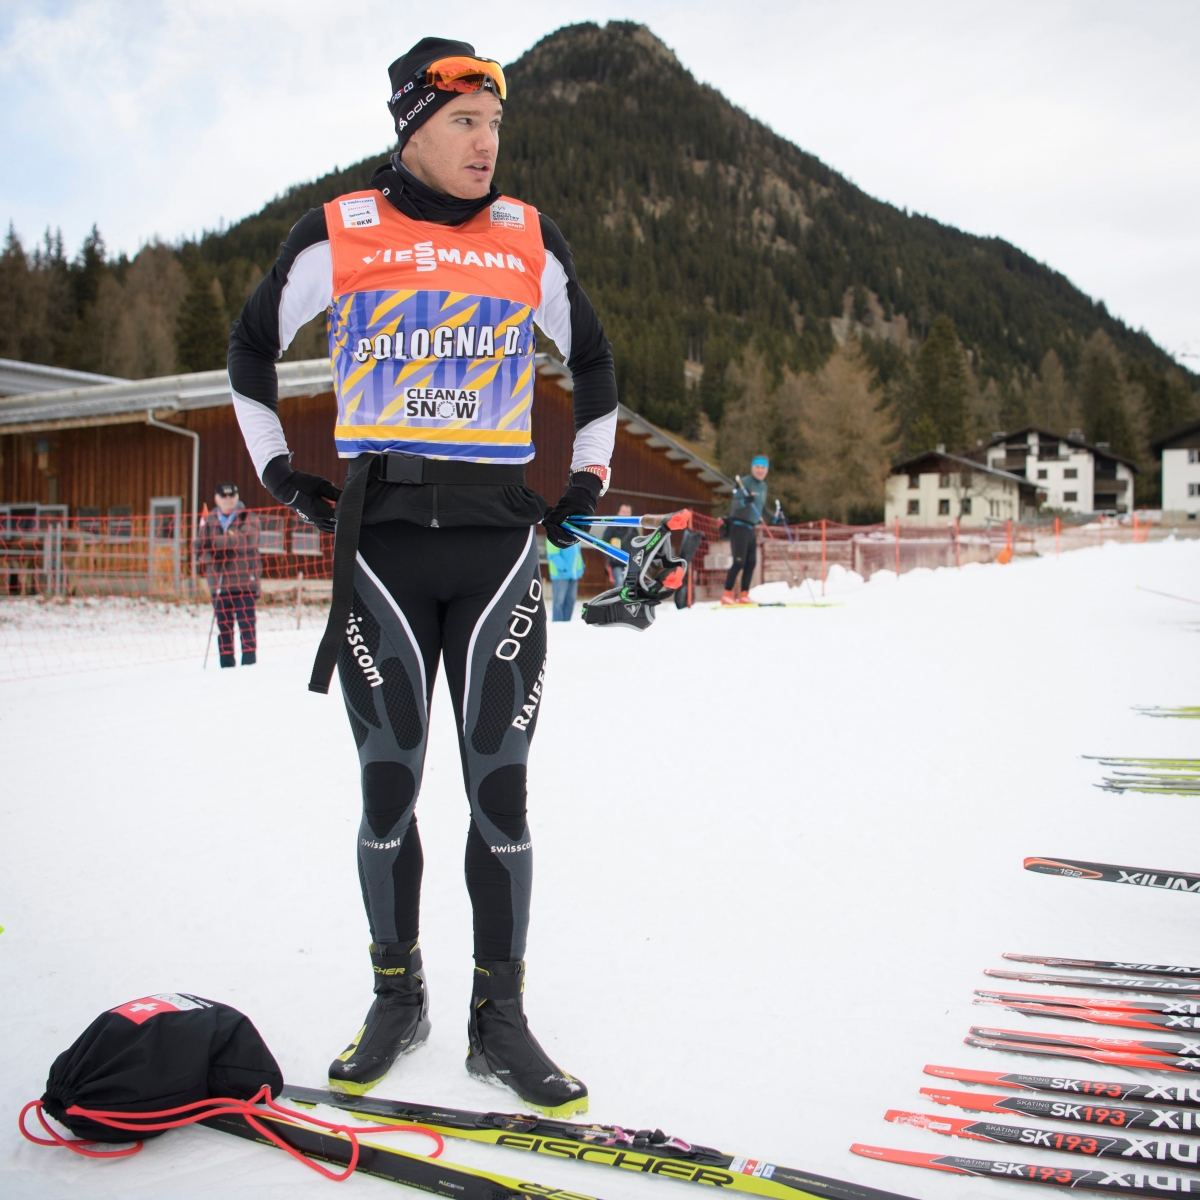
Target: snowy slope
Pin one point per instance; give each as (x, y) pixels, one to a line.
(775, 849)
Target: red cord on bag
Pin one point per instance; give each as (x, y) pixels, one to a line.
(199, 1110)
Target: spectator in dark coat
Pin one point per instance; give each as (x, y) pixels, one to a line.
(228, 548)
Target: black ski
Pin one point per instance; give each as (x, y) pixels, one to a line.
(1144, 1046)
(413, 1170)
(1140, 1004)
(1118, 1116)
(1113, 983)
(1171, 881)
(1183, 1095)
(1092, 964)
(1093, 1144)
(1109, 1058)
(650, 1152)
(1119, 1179)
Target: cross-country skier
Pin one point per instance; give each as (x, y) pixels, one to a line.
(747, 506)
(433, 281)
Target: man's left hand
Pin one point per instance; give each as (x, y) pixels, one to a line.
(579, 500)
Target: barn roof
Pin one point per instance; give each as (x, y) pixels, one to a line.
(20, 378)
(112, 403)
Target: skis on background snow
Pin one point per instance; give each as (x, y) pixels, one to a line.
(1169, 1049)
(1121, 1180)
(1138, 1004)
(1097, 1145)
(1171, 881)
(1092, 964)
(1175, 987)
(1119, 1116)
(1123, 1019)
(647, 1151)
(1183, 1095)
(1108, 1058)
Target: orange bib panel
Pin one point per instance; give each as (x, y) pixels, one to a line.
(431, 330)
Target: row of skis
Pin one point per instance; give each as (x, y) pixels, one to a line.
(1143, 1135)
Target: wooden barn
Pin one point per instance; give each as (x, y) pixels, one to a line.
(160, 446)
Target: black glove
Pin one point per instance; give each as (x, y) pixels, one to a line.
(579, 500)
(307, 495)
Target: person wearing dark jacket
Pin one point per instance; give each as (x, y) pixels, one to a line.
(432, 283)
(228, 550)
(747, 506)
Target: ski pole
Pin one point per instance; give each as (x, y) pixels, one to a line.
(588, 538)
(1167, 594)
(211, 624)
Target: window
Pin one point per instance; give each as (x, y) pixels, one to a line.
(943, 481)
(1194, 456)
(914, 483)
(993, 508)
(272, 534)
(943, 508)
(966, 507)
(306, 539)
(1071, 473)
(914, 508)
(1070, 497)
(1043, 473)
(1194, 489)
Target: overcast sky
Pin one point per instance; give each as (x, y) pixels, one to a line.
(1071, 129)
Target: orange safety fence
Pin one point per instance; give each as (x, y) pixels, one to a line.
(88, 591)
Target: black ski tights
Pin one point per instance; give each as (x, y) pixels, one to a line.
(743, 542)
(473, 597)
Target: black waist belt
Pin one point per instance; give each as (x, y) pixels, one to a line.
(392, 468)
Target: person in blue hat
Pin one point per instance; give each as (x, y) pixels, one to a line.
(747, 508)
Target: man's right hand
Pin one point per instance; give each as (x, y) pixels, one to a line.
(307, 495)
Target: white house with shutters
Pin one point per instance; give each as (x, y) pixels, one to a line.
(1180, 473)
(935, 488)
(1075, 476)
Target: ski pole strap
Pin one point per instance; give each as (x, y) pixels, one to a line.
(345, 549)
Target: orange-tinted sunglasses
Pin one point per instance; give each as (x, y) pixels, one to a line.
(462, 74)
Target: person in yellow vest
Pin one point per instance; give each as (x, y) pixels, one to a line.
(432, 282)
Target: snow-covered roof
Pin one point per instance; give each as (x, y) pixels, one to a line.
(22, 378)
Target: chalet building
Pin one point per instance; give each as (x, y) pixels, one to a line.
(935, 488)
(1180, 473)
(94, 448)
(1075, 476)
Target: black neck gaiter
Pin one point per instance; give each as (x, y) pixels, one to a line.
(419, 201)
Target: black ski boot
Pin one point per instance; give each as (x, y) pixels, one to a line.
(502, 1050)
(398, 1021)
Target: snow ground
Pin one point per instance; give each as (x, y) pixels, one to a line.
(775, 849)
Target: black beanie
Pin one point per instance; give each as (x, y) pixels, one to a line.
(410, 104)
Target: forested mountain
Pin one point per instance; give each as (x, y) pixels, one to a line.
(700, 235)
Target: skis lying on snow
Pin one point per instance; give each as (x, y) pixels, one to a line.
(1091, 964)
(397, 1166)
(648, 1151)
(1123, 1018)
(1109, 1058)
(1172, 1049)
(1184, 1095)
(1113, 983)
(1121, 1116)
(1122, 1180)
(1094, 1144)
(1172, 881)
(1139, 1004)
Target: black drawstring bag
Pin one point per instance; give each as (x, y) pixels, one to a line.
(157, 1053)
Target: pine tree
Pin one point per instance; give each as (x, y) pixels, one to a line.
(202, 332)
(932, 401)
(1106, 417)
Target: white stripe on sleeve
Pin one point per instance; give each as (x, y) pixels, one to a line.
(261, 430)
(308, 290)
(594, 442)
(553, 316)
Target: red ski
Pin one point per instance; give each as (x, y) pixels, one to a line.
(1110, 1058)
(1137, 1005)
(1096, 1016)
(1062, 1108)
(1173, 1049)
